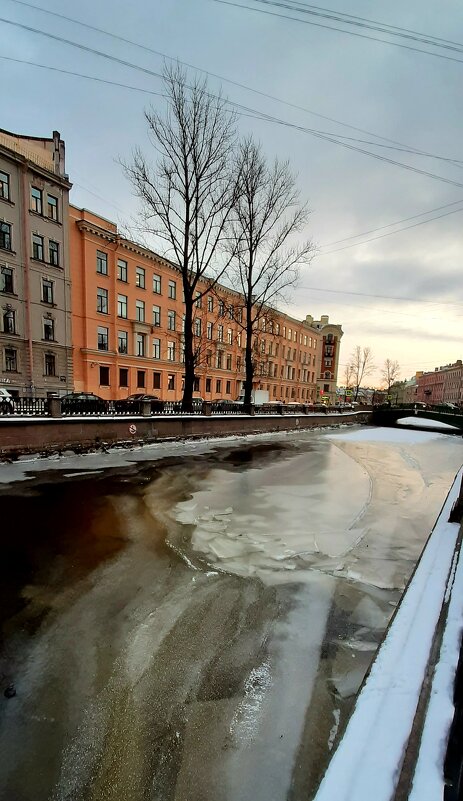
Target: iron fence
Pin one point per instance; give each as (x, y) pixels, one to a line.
(24, 407)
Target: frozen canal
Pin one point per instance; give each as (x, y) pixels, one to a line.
(191, 622)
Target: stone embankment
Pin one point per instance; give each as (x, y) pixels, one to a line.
(47, 435)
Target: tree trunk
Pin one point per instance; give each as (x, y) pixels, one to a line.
(249, 368)
(187, 400)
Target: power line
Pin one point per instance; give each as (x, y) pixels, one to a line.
(375, 22)
(362, 22)
(256, 114)
(390, 233)
(339, 30)
(382, 297)
(214, 75)
(389, 225)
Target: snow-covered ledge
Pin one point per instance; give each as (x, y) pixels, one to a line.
(368, 760)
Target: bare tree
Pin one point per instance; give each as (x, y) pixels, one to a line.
(188, 194)
(267, 215)
(390, 373)
(348, 375)
(361, 363)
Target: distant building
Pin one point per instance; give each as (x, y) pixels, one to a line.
(442, 385)
(35, 293)
(331, 335)
(128, 329)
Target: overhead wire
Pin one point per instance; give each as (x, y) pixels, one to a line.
(362, 22)
(246, 87)
(339, 30)
(239, 106)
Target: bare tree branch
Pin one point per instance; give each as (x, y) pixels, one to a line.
(267, 215)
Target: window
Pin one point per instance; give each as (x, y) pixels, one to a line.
(327, 374)
(209, 330)
(4, 185)
(122, 306)
(170, 381)
(122, 270)
(11, 360)
(328, 362)
(141, 378)
(220, 333)
(262, 346)
(210, 303)
(172, 290)
(156, 380)
(218, 386)
(101, 262)
(103, 336)
(52, 207)
(122, 342)
(141, 344)
(157, 284)
(123, 377)
(140, 277)
(170, 351)
(208, 384)
(228, 388)
(47, 291)
(221, 308)
(48, 329)
(289, 333)
(5, 236)
(209, 358)
(140, 311)
(199, 300)
(104, 376)
(229, 361)
(9, 322)
(156, 315)
(50, 364)
(37, 247)
(53, 253)
(238, 364)
(6, 280)
(284, 332)
(102, 300)
(36, 200)
(229, 336)
(219, 360)
(326, 387)
(156, 348)
(198, 326)
(171, 320)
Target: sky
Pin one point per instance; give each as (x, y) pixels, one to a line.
(401, 292)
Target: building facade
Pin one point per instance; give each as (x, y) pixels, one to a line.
(128, 322)
(442, 385)
(330, 343)
(35, 292)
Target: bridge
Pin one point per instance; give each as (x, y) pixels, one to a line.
(388, 415)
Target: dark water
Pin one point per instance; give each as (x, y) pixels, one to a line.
(147, 668)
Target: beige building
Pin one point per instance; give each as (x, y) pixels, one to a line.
(328, 363)
(35, 290)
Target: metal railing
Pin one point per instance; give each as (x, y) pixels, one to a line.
(24, 407)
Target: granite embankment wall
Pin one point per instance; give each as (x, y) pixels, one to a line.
(20, 436)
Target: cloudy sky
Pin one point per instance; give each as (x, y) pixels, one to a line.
(401, 293)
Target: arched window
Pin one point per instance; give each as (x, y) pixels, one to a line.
(327, 374)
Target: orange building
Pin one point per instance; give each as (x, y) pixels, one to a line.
(128, 319)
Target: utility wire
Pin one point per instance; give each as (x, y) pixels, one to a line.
(220, 77)
(361, 22)
(382, 297)
(389, 225)
(382, 236)
(339, 30)
(374, 22)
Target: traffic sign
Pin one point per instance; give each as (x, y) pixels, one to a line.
(348, 392)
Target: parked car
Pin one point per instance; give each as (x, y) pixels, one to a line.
(157, 405)
(82, 401)
(6, 401)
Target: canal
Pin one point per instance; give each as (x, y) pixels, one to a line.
(192, 621)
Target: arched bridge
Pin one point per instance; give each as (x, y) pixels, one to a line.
(388, 415)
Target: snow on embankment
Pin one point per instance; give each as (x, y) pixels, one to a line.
(367, 762)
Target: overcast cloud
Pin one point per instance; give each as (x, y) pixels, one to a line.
(406, 96)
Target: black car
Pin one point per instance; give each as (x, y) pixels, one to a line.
(157, 405)
(83, 403)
